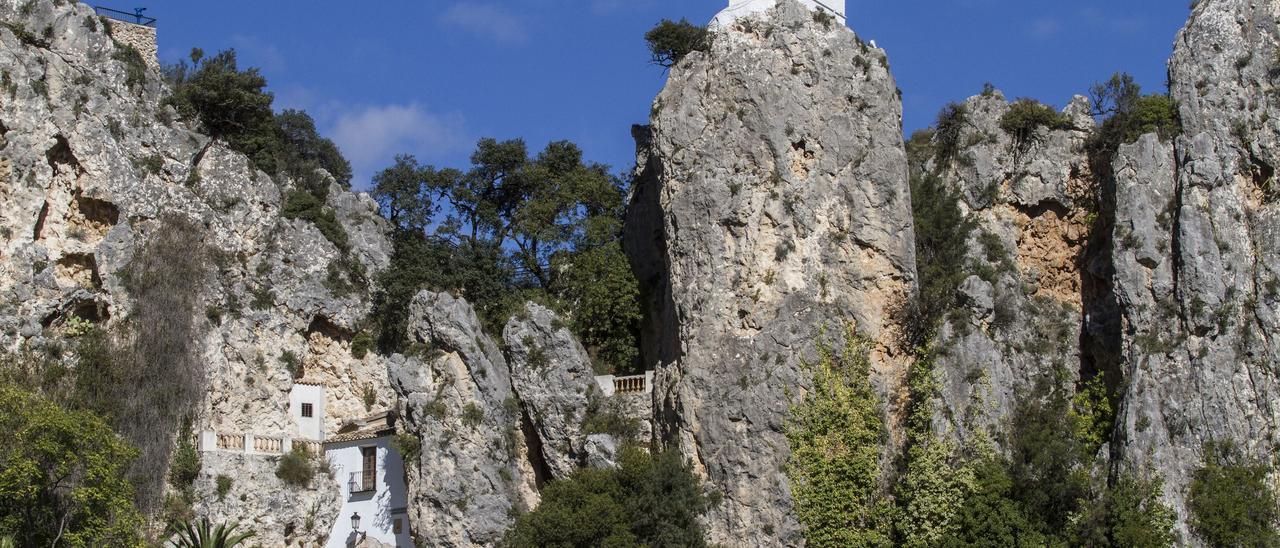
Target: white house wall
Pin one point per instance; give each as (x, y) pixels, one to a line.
(307, 428)
(742, 8)
(379, 509)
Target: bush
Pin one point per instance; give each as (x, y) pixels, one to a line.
(291, 363)
(649, 500)
(947, 132)
(296, 467)
(671, 41)
(135, 68)
(1024, 119)
(409, 447)
(185, 467)
(64, 476)
(836, 434)
(472, 415)
(224, 483)
(300, 204)
(147, 378)
(1231, 501)
(607, 416)
(361, 344)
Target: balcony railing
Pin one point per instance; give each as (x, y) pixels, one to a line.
(624, 385)
(362, 482)
(136, 17)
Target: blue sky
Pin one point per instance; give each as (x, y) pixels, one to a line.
(431, 77)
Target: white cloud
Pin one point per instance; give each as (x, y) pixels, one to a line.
(1045, 27)
(485, 20)
(371, 136)
(258, 53)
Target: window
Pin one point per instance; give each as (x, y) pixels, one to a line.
(395, 527)
(370, 455)
(307, 410)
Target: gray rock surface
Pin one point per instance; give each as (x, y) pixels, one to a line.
(551, 374)
(772, 201)
(279, 514)
(1198, 279)
(1021, 315)
(474, 470)
(90, 164)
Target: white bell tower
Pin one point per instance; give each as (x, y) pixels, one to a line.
(743, 8)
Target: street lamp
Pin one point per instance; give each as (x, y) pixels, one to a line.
(355, 526)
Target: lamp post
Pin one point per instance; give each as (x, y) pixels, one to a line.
(355, 526)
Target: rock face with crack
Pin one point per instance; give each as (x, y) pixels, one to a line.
(551, 374)
(1199, 278)
(474, 468)
(93, 166)
(772, 201)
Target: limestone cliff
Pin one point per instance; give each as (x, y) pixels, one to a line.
(1196, 274)
(772, 201)
(91, 162)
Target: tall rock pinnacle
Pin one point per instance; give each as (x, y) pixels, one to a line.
(771, 202)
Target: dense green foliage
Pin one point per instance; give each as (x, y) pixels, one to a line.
(63, 476)
(300, 204)
(649, 500)
(947, 131)
(1127, 114)
(670, 41)
(1026, 118)
(1232, 503)
(511, 228)
(233, 105)
(836, 434)
(942, 233)
(204, 534)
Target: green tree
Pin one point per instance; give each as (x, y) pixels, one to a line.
(991, 515)
(233, 105)
(403, 194)
(63, 476)
(229, 103)
(1232, 503)
(836, 434)
(303, 150)
(649, 500)
(942, 234)
(509, 228)
(1127, 114)
(670, 41)
(205, 535)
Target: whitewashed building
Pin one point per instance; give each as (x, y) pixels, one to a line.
(371, 474)
(743, 8)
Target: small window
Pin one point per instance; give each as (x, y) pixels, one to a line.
(395, 527)
(307, 411)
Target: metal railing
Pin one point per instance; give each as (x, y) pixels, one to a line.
(136, 17)
(361, 482)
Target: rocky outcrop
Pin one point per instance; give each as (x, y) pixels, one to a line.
(1196, 257)
(475, 468)
(258, 501)
(551, 374)
(92, 166)
(1030, 307)
(773, 195)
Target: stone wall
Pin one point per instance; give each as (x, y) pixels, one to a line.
(141, 37)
